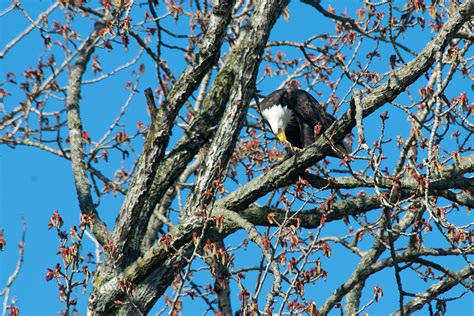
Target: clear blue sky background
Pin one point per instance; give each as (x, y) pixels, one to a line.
(34, 183)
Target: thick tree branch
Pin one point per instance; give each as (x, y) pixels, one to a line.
(459, 198)
(434, 291)
(221, 283)
(353, 299)
(82, 182)
(446, 177)
(144, 271)
(132, 222)
(260, 216)
(447, 271)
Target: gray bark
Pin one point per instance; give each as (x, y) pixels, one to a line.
(82, 182)
(152, 278)
(433, 291)
(152, 271)
(133, 219)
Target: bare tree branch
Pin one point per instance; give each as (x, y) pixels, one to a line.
(83, 186)
(433, 291)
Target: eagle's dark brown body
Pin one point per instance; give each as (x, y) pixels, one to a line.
(293, 116)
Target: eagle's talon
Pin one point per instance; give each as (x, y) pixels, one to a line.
(296, 149)
(291, 148)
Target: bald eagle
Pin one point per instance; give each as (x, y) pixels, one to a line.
(293, 116)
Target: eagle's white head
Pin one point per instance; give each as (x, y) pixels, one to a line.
(278, 117)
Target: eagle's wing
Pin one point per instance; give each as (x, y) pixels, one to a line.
(308, 109)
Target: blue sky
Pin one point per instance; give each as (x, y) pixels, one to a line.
(34, 183)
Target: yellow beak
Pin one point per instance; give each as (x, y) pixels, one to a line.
(281, 136)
